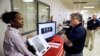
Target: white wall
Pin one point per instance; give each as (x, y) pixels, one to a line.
(58, 10)
(98, 15)
(4, 6)
(2, 31)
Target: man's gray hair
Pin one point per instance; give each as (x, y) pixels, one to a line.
(78, 15)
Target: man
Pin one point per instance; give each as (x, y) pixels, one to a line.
(75, 36)
(92, 26)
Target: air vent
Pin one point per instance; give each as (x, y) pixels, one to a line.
(80, 2)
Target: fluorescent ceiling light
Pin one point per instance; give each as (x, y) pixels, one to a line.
(28, 0)
(89, 7)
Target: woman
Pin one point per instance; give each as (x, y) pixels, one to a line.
(13, 44)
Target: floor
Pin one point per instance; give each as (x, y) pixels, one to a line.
(96, 50)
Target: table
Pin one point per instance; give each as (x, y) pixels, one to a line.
(56, 51)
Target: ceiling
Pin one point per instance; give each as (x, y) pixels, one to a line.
(78, 5)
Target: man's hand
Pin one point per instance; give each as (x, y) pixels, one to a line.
(70, 45)
(97, 28)
(67, 41)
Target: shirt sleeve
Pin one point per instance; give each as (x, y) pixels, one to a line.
(88, 25)
(17, 41)
(98, 23)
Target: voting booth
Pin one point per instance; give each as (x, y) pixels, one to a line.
(46, 42)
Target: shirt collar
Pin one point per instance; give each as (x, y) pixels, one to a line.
(13, 29)
(77, 25)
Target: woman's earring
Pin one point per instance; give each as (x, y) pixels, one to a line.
(12, 23)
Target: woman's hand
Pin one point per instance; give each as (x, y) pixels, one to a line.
(29, 36)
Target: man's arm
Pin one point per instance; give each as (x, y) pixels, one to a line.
(67, 41)
(98, 25)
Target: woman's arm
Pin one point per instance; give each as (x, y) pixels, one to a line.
(16, 39)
